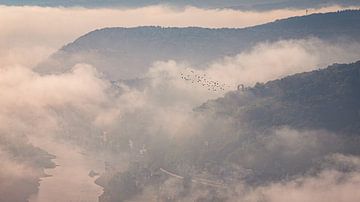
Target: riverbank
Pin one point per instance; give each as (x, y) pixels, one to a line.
(70, 178)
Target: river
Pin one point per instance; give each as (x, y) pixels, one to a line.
(70, 180)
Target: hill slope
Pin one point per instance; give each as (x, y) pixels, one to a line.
(323, 99)
(271, 132)
(123, 53)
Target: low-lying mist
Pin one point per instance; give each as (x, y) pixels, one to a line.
(155, 126)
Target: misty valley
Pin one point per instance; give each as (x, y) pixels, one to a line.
(200, 112)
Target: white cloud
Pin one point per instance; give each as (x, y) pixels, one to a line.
(269, 61)
(329, 185)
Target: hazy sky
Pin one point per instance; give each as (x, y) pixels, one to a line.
(239, 4)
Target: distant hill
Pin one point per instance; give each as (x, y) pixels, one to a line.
(123, 53)
(323, 99)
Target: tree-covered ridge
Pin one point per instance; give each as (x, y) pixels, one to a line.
(126, 53)
(322, 99)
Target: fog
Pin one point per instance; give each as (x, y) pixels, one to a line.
(329, 184)
(78, 115)
(325, 175)
(42, 106)
(269, 61)
(30, 102)
(70, 179)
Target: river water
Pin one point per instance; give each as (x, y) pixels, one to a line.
(70, 180)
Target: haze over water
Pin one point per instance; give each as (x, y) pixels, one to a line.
(70, 180)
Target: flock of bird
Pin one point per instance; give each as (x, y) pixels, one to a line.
(202, 80)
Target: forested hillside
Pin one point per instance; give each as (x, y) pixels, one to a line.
(323, 99)
(273, 131)
(123, 53)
